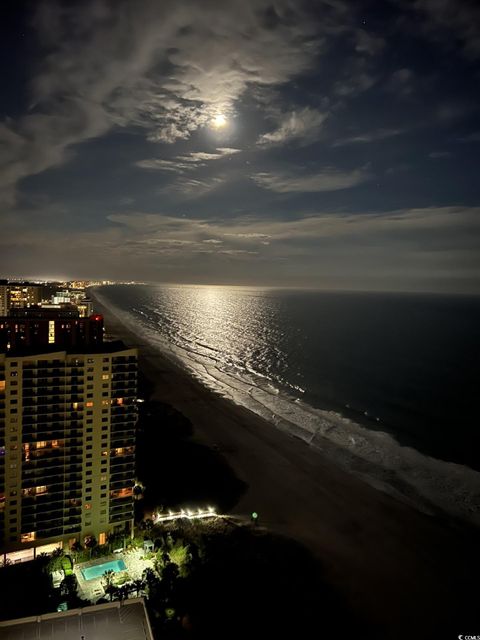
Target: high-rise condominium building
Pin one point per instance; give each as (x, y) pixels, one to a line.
(37, 326)
(67, 437)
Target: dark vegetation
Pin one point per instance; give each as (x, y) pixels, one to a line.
(236, 581)
(26, 588)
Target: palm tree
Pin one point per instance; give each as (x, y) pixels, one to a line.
(90, 543)
(151, 579)
(111, 590)
(138, 585)
(108, 579)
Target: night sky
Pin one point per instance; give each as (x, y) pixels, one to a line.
(330, 144)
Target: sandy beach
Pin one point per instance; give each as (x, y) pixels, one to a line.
(411, 574)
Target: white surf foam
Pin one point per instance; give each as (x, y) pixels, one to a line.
(376, 456)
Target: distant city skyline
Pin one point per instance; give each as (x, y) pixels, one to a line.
(329, 145)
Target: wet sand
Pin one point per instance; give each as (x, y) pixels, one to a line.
(411, 575)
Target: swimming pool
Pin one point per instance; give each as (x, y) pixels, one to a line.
(90, 573)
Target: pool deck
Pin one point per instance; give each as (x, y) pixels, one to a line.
(93, 589)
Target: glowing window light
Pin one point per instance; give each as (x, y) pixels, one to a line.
(51, 331)
(28, 537)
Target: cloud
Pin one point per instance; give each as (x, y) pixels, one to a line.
(458, 17)
(186, 188)
(434, 248)
(166, 67)
(359, 74)
(400, 82)
(436, 155)
(368, 43)
(471, 137)
(301, 126)
(370, 136)
(188, 162)
(329, 179)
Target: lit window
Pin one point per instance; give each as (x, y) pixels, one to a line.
(105, 376)
(74, 406)
(2, 385)
(51, 331)
(88, 506)
(122, 493)
(119, 400)
(102, 538)
(104, 453)
(41, 444)
(27, 537)
(89, 404)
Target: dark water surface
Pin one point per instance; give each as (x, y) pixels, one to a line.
(343, 365)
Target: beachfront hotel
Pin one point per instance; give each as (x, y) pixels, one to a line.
(67, 434)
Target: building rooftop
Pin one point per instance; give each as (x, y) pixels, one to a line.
(105, 347)
(127, 620)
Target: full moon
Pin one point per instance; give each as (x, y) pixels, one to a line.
(219, 121)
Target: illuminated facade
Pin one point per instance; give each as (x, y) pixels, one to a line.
(22, 295)
(67, 440)
(3, 299)
(85, 308)
(34, 327)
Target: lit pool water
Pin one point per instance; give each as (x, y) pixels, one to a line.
(90, 573)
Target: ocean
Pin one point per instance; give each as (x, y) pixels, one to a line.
(385, 384)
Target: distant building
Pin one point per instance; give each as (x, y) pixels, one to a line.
(67, 440)
(48, 325)
(85, 308)
(79, 284)
(24, 294)
(3, 297)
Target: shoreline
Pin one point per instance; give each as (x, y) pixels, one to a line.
(397, 567)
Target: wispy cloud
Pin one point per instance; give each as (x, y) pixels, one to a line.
(188, 162)
(186, 188)
(328, 179)
(166, 67)
(438, 155)
(416, 248)
(451, 16)
(301, 126)
(368, 136)
(400, 82)
(471, 137)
